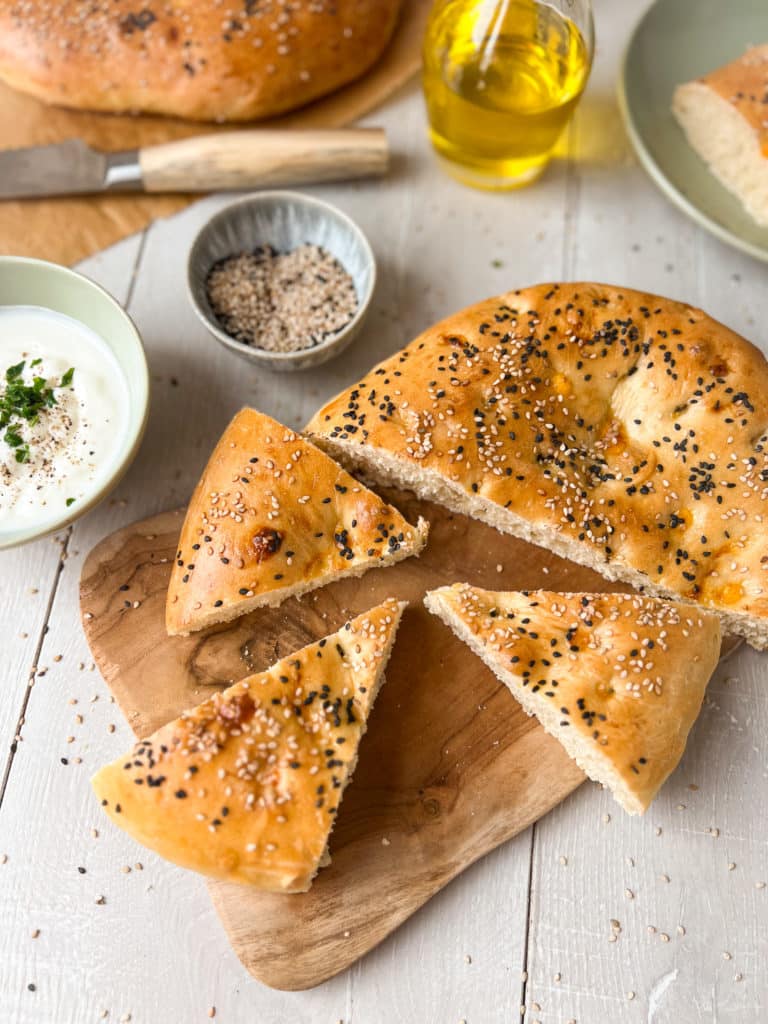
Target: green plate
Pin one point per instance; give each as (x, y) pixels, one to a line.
(675, 41)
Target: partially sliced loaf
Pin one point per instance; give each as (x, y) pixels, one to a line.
(273, 517)
(246, 786)
(725, 117)
(621, 430)
(617, 678)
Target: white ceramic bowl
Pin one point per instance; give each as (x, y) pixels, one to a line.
(28, 282)
(283, 220)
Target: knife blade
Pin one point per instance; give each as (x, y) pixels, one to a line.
(203, 163)
(64, 168)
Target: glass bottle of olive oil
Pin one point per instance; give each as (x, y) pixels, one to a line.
(501, 79)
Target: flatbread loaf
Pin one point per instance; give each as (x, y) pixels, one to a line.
(246, 786)
(618, 678)
(621, 430)
(272, 517)
(188, 58)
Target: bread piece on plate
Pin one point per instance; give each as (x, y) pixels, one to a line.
(274, 517)
(246, 786)
(621, 430)
(203, 61)
(617, 678)
(725, 116)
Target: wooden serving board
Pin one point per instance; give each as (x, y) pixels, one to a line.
(450, 766)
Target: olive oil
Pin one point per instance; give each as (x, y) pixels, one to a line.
(501, 79)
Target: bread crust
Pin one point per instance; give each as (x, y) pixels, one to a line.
(618, 678)
(246, 786)
(190, 59)
(274, 516)
(623, 430)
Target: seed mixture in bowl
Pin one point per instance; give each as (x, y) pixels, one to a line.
(281, 302)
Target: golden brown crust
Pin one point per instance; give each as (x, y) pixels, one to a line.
(744, 84)
(617, 678)
(273, 515)
(246, 786)
(191, 59)
(631, 426)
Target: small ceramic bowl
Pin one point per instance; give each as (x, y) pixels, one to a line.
(283, 220)
(28, 282)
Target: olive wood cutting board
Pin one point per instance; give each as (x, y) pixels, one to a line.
(450, 767)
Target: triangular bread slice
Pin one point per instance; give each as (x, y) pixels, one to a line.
(617, 678)
(272, 517)
(246, 786)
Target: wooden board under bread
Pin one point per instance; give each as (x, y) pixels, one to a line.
(450, 766)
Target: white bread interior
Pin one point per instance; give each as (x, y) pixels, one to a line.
(727, 143)
(387, 469)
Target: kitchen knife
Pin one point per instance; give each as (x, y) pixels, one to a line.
(203, 163)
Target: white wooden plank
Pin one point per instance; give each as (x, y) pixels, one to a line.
(592, 863)
(27, 577)
(439, 254)
(155, 948)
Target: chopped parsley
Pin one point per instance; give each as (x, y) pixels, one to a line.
(70, 501)
(22, 403)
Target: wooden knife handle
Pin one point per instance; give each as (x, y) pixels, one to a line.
(258, 159)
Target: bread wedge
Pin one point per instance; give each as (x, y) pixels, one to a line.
(618, 429)
(246, 786)
(618, 679)
(274, 517)
(723, 115)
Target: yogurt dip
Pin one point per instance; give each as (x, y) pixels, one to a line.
(63, 453)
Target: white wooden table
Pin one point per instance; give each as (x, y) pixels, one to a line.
(590, 916)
